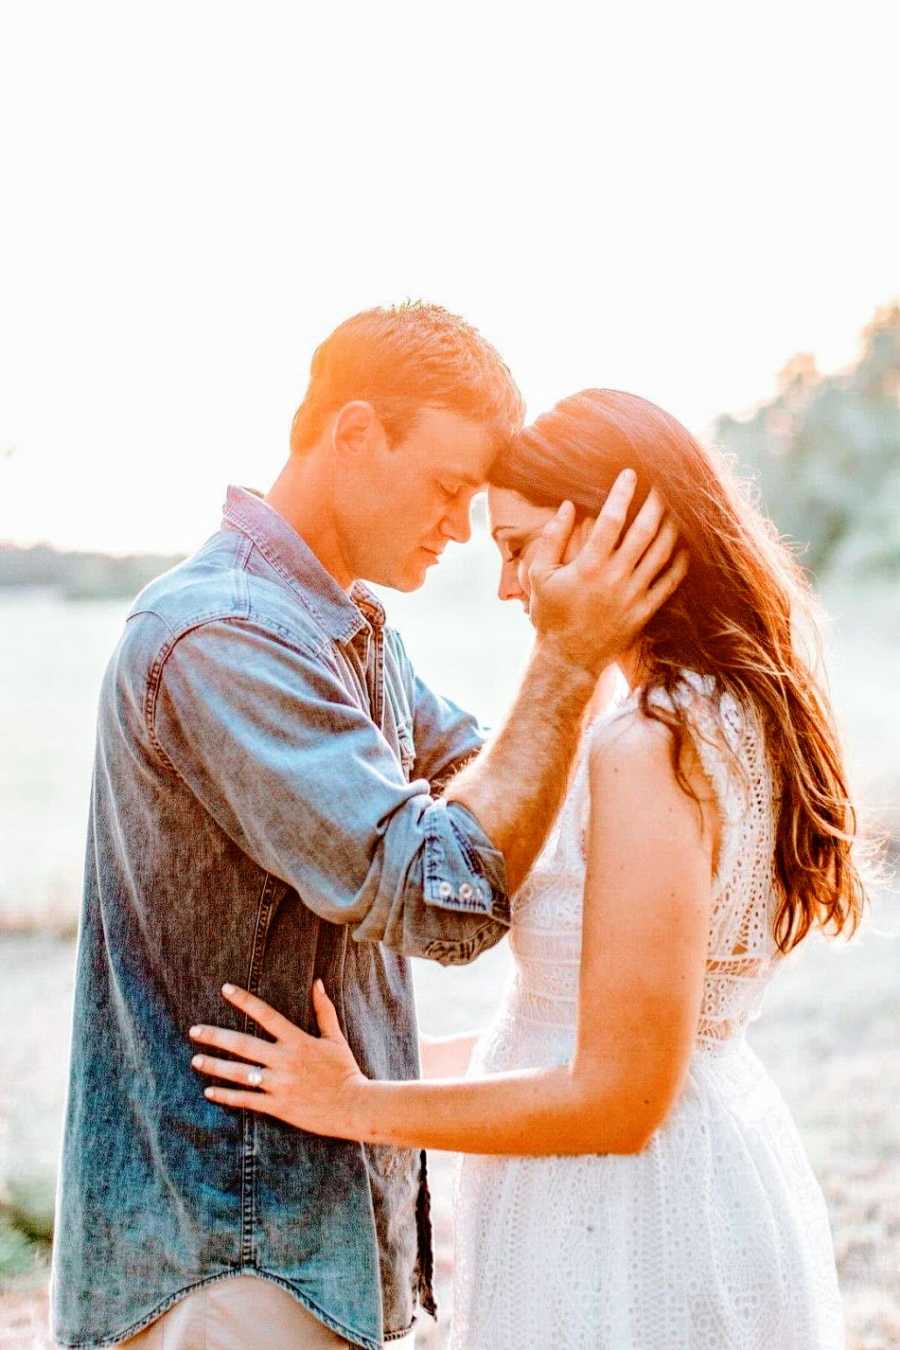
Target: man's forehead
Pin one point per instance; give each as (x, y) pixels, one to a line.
(470, 469)
(460, 437)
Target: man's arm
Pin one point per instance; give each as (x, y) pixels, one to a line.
(267, 737)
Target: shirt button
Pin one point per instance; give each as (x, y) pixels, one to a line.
(465, 891)
(445, 889)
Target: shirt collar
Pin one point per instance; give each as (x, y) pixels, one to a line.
(341, 616)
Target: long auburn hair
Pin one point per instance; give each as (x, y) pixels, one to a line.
(731, 618)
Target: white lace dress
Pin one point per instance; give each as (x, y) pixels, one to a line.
(715, 1237)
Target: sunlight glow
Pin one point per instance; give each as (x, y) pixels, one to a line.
(672, 200)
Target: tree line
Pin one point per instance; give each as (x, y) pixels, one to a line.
(825, 454)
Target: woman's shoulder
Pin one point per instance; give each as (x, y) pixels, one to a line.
(626, 749)
(699, 702)
(635, 736)
(639, 772)
(628, 759)
(691, 730)
(644, 717)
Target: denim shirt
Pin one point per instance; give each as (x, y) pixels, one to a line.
(265, 809)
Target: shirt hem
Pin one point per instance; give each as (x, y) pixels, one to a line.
(356, 1338)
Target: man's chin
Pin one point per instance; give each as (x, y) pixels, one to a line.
(410, 578)
(414, 579)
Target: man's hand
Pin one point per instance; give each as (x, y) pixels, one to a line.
(591, 609)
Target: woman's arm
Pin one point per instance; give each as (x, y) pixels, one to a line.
(644, 945)
(446, 1056)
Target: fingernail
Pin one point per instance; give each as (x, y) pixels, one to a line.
(630, 476)
(228, 988)
(209, 1092)
(194, 1031)
(197, 1061)
(320, 986)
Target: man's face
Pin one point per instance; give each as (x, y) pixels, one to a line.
(410, 499)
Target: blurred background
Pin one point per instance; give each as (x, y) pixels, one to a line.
(697, 203)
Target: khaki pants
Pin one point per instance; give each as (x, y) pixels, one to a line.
(241, 1313)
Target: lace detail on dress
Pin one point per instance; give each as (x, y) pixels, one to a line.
(742, 952)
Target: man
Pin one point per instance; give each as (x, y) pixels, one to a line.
(267, 808)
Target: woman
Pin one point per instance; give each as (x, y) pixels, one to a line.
(634, 1176)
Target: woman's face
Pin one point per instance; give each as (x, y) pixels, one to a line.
(516, 524)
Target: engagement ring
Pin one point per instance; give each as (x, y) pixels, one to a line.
(254, 1077)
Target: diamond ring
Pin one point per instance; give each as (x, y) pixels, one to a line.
(254, 1077)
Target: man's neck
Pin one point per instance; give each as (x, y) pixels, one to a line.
(303, 496)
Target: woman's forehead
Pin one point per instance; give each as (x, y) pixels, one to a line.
(510, 510)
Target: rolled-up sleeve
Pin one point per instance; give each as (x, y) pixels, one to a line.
(267, 736)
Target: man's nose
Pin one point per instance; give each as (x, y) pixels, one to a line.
(457, 525)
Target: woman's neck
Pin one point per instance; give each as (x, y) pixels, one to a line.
(603, 695)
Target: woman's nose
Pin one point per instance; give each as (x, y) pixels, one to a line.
(508, 587)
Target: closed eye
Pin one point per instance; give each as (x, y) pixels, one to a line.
(511, 547)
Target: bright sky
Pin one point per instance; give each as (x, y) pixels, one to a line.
(669, 198)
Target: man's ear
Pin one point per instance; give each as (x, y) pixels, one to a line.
(357, 428)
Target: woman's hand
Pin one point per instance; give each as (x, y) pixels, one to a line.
(312, 1082)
